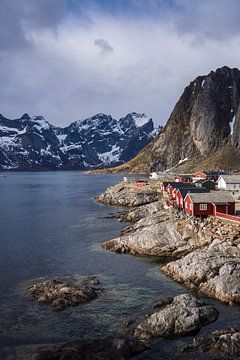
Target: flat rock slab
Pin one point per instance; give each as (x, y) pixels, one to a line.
(59, 294)
(182, 315)
(214, 271)
(161, 239)
(223, 342)
(107, 349)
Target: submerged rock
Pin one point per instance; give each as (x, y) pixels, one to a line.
(106, 349)
(126, 194)
(59, 294)
(179, 316)
(226, 342)
(215, 271)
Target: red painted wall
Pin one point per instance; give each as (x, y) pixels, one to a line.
(187, 203)
(179, 198)
(231, 208)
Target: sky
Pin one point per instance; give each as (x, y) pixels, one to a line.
(70, 59)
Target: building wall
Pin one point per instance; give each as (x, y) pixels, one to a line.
(198, 211)
(231, 208)
(188, 206)
(222, 209)
(221, 183)
(233, 187)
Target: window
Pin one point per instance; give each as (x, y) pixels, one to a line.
(190, 206)
(203, 207)
(186, 205)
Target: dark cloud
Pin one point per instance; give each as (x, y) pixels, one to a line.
(49, 54)
(104, 46)
(18, 17)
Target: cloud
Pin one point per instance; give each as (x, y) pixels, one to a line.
(50, 63)
(104, 46)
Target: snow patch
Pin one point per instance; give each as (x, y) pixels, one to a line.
(140, 119)
(182, 161)
(231, 124)
(110, 156)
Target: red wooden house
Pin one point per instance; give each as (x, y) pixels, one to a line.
(185, 178)
(182, 192)
(209, 203)
(140, 183)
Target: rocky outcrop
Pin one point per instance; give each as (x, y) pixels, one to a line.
(205, 120)
(59, 294)
(107, 349)
(222, 342)
(179, 316)
(141, 212)
(214, 271)
(161, 239)
(126, 194)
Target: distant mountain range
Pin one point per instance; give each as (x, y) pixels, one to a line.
(203, 131)
(32, 143)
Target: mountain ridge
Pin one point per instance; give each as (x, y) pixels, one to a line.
(32, 143)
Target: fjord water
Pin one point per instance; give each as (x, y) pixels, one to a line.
(51, 226)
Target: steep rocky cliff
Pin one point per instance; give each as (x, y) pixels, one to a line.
(203, 131)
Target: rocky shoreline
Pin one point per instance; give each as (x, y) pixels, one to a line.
(205, 252)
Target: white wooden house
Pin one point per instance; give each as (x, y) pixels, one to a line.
(229, 182)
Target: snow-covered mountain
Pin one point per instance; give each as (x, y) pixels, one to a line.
(99, 141)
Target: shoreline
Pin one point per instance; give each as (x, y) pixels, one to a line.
(201, 254)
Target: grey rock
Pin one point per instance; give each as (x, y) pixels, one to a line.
(223, 342)
(126, 194)
(182, 316)
(59, 294)
(215, 271)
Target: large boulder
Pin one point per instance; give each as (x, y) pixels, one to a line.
(180, 316)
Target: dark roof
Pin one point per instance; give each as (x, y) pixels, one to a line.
(213, 173)
(215, 197)
(166, 183)
(180, 185)
(185, 191)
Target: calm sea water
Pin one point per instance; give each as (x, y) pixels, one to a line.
(51, 226)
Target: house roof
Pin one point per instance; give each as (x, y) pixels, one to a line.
(213, 173)
(231, 179)
(215, 197)
(185, 191)
(203, 181)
